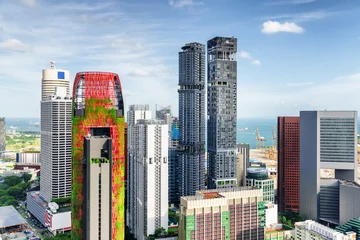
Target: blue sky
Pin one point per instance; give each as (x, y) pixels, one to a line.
(292, 54)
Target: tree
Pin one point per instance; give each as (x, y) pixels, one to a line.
(12, 180)
(4, 186)
(160, 232)
(11, 202)
(3, 192)
(6, 198)
(27, 177)
(16, 192)
(24, 186)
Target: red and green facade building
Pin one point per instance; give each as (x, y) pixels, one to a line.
(98, 110)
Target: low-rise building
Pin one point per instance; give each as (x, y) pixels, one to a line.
(311, 230)
(28, 157)
(351, 226)
(56, 219)
(232, 213)
(279, 232)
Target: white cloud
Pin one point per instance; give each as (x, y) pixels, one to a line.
(247, 55)
(184, 3)
(299, 84)
(13, 45)
(140, 73)
(271, 27)
(244, 54)
(256, 62)
(29, 3)
(352, 77)
(291, 2)
(303, 17)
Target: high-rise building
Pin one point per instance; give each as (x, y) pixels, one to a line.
(288, 171)
(259, 178)
(242, 163)
(52, 78)
(97, 168)
(135, 113)
(233, 213)
(222, 101)
(328, 140)
(191, 118)
(173, 161)
(55, 155)
(98, 110)
(2, 134)
(310, 230)
(151, 163)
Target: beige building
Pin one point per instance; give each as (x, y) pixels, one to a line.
(234, 213)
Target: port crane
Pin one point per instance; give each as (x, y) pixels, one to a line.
(259, 140)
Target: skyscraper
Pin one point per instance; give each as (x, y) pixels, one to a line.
(97, 187)
(173, 161)
(135, 113)
(151, 163)
(191, 118)
(222, 98)
(288, 163)
(55, 155)
(52, 78)
(328, 140)
(2, 134)
(98, 110)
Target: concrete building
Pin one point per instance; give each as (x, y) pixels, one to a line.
(279, 232)
(271, 214)
(55, 156)
(233, 213)
(151, 193)
(328, 140)
(191, 118)
(242, 163)
(28, 157)
(97, 187)
(56, 218)
(258, 177)
(288, 169)
(351, 226)
(311, 230)
(135, 113)
(2, 134)
(98, 112)
(53, 78)
(222, 102)
(173, 160)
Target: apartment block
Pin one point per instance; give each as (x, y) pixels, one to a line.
(221, 112)
(258, 177)
(233, 213)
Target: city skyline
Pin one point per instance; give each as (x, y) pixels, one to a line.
(283, 61)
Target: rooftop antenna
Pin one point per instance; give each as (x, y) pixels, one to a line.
(52, 64)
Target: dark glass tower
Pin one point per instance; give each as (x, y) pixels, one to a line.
(191, 119)
(222, 97)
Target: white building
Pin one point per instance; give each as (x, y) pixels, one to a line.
(52, 78)
(55, 156)
(135, 113)
(28, 157)
(151, 193)
(311, 230)
(271, 214)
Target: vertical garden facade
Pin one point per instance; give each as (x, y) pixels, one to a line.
(98, 110)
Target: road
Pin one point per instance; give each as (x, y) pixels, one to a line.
(32, 222)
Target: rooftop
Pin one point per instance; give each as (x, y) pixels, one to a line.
(10, 217)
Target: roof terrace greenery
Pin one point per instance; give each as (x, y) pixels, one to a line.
(99, 160)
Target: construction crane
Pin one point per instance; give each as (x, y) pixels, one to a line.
(259, 140)
(274, 137)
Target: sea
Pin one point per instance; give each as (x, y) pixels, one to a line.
(245, 128)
